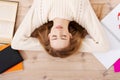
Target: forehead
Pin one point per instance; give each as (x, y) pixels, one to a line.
(59, 44)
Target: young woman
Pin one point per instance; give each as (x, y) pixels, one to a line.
(62, 27)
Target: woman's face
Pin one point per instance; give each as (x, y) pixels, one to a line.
(59, 37)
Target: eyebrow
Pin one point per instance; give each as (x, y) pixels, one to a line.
(55, 37)
(61, 38)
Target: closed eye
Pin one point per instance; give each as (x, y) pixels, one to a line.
(64, 37)
(54, 37)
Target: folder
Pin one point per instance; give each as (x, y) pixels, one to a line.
(17, 67)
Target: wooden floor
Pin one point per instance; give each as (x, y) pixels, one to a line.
(41, 66)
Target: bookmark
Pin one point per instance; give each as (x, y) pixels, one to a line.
(117, 66)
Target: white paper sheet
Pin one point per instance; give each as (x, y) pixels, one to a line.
(111, 24)
(110, 57)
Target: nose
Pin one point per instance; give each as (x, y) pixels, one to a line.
(59, 33)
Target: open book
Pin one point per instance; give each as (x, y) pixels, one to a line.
(8, 11)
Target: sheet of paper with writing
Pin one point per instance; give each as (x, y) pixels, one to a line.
(111, 24)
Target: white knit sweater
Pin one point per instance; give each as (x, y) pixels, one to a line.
(46, 10)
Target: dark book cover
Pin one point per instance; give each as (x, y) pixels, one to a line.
(8, 58)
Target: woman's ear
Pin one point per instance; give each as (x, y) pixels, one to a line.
(35, 33)
(70, 35)
(49, 36)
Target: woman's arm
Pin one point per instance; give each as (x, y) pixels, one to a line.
(22, 39)
(97, 42)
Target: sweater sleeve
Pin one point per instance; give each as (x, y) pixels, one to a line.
(22, 39)
(97, 40)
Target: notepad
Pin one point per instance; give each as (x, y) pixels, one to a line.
(8, 11)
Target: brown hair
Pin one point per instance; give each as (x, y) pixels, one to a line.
(77, 31)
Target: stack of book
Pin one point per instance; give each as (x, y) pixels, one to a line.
(10, 59)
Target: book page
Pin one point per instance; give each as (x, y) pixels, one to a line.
(6, 29)
(8, 11)
(112, 22)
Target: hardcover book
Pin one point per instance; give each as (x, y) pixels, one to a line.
(9, 58)
(16, 67)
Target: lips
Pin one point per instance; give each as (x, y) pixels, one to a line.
(59, 27)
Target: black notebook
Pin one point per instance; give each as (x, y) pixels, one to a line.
(8, 58)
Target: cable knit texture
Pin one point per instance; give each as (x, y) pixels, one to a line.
(43, 11)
